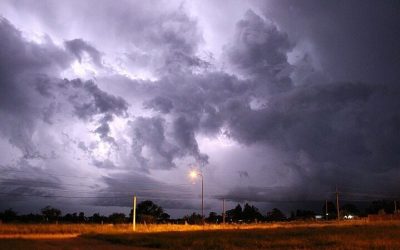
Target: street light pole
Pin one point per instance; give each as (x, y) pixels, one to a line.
(202, 199)
(194, 174)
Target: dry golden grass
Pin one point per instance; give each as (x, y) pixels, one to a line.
(20, 229)
(299, 235)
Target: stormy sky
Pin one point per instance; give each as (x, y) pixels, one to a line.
(276, 102)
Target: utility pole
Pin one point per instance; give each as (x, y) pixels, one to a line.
(326, 209)
(202, 199)
(223, 211)
(337, 204)
(134, 214)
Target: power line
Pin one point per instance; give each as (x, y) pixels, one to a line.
(104, 177)
(18, 182)
(50, 174)
(114, 192)
(94, 178)
(89, 197)
(13, 181)
(368, 195)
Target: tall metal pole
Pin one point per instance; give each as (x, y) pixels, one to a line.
(134, 214)
(202, 199)
(337, 203)
(223, 211)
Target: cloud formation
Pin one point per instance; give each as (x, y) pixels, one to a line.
(260, 51)
(158, 103)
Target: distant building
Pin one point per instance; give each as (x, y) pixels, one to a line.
(318, 217)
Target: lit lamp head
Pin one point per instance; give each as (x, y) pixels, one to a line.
(193, 174)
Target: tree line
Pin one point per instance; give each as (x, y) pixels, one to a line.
(149, 212)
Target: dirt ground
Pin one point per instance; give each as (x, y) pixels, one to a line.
(61, 243)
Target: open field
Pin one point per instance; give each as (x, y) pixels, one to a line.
(345, 235)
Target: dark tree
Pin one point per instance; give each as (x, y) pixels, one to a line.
(149, 212)
(213, 217)
(164, 217)
(31, 218)
(303, 215)
(251, 213)
(8, 215)
(97, 218)
(68, 218)
(235, 214)
(381, 207)
(275, 215)
(50, 213)
(194, 218)
(81, 217)
(117, 218)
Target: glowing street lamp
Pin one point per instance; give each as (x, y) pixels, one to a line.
(194, 174)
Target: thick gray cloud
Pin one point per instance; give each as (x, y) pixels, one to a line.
(289, 83)
(331, 133)
(78, 47)
(260, 50)
(327, 129)
(352, 40)
(29, 87)
(22, 64)
(88, 100)
(150, 133)
(26, 182)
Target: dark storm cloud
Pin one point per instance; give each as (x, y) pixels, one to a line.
(327, 129)
(353, 40)
(106, 164)
(150, 133)
(330, 132)
(260, 50)
(204, 103)
(30, 90)
(17, 184)
(21, 64)
(78, 47)
(184, 134)
(88, 100)
(161, 104)
(323, 121)
(176, 37)
(159, 39)
(195, 104)
(270, 194)
(243, 174)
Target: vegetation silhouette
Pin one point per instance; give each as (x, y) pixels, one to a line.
(149, 212)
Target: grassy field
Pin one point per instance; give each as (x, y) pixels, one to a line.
(345, 235)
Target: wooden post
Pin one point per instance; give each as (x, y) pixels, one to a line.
(134, 214)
